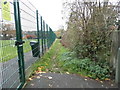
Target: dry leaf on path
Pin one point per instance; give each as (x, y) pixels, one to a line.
(50, 85)
(39, 72)
(97, 79)
(67, 73)
(107, 79)
(112, 85)
(50, 78)
(32, 84)
(101, 81)
(30, 79)
(38, 77)
(42, 72)
(41, 75)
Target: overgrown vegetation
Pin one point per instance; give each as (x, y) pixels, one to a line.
(89, 29)
(88, 41)
(61, 60)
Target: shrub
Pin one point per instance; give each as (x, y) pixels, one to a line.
(91, 68)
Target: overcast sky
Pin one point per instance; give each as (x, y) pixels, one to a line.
(51, 12)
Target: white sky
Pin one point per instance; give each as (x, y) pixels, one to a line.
(51, 12)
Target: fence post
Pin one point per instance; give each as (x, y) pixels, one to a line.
(117, 77)
(48, 37)
(18, 41)
(42, 34)
(47, 34)
(38, 33)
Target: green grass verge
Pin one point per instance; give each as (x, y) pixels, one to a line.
(8, 50)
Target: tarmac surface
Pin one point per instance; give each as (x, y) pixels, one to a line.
(57, 80)
(10, 75)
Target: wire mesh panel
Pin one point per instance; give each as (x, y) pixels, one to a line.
(29, 33)
(19, 23)
(9, 69)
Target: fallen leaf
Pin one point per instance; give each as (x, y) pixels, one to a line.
(49, 77)
(41, 75)
(97, 79)
(42, 72)
(38, 77)
(50, 85)
(101, 81)
(39, 72)
(102, 85)
(67, 73)
(39, 68)
(112, 85)
(30, 79)
(85, 79)
(107, 79)
(32, 84)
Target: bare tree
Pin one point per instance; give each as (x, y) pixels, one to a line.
(89, 28)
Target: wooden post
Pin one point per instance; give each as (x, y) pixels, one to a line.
(117, 77)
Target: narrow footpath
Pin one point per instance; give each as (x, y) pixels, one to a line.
(53, 77)
(57, 80)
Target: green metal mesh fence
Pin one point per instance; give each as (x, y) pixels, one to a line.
(9, 68)
(25, 24)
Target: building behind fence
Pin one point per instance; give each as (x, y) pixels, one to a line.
(24, 38)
